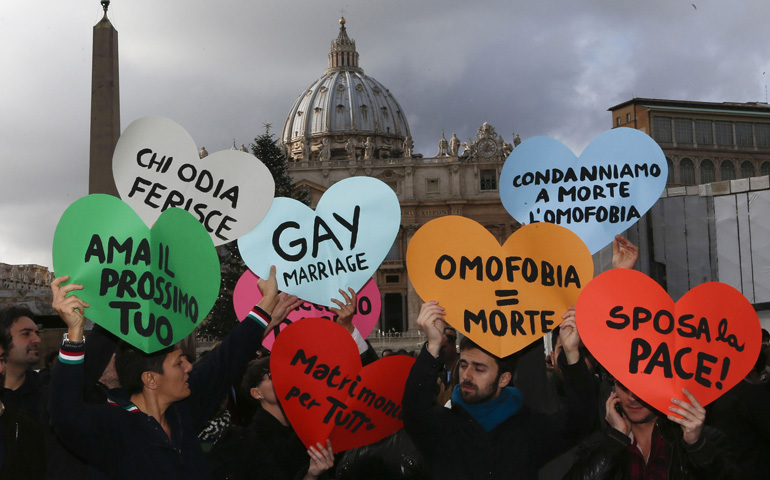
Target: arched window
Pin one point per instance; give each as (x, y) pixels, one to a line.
(670, 164)
(727, 170)
(747, 169)
(764, 169)
(708, 173)
(686, 172)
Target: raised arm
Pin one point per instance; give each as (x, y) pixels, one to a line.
(345, 313)
(423, 419)
(211, 378)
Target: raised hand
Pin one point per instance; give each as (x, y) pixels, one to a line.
(286, 304)
(321, 460)
(624, 253)
(269, 290)
(70, 308)
(346, 310)
(431, 321)
(570, 338)
(692, 416)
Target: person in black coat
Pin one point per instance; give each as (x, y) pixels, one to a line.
(640, 443)
(22, 448)
(488, 432)
(152, 433)
(268, 447)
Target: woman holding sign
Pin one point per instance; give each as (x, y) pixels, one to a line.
(152, 432)
(268, 447)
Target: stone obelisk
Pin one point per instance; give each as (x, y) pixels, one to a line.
(105, 106)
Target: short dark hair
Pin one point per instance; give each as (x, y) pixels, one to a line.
(4, 341)
(505, 364)
(253, 377)
(131, 363)
(8, 317)
(765, 335)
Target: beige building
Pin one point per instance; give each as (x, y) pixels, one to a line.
(704, 142)
(348, 124)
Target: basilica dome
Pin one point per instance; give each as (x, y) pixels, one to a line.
(345, 114)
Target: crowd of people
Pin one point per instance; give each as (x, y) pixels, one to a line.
(108, 410)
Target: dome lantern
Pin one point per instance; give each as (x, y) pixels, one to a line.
(345, 114)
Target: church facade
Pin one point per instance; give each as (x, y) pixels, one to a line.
(348, 124)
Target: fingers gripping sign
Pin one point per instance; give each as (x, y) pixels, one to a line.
(70, 308)
(269, 290)
(286, 303)
(346, 310)
(570, 338)
(431, 321)
(624, 253)
(690, 416)
(321, 460)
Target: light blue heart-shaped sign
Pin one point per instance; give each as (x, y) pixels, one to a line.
(339, 245)
(619, 176)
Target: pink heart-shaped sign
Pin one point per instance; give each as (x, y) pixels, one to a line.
(325, 391)
(706, 342)
(247, 294)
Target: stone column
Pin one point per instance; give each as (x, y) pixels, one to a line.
(105, 108)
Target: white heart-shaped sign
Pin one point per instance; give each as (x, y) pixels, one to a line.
(156, 166)
(339, 245)
(617, 178)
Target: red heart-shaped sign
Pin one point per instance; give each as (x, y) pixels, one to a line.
(706, 342)
(325, 391)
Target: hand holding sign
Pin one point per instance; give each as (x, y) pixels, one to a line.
(325, 391)
(345, 310)
(150, 288)
(501, 297)
(340, 245)
(156, 166)
(706, 342)
(619, 176)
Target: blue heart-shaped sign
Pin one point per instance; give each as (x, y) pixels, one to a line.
(339, 245)
(619, 176)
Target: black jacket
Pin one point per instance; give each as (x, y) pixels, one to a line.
(133, 445)
(605, 456)
(23, 446)
(456, 446)
(263, 449)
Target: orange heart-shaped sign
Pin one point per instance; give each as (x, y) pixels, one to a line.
(501, 297)
(706, 342)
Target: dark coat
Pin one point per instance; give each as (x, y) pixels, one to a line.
(23, 446)
(132, 445)
(743, 415)
(263, 449)
(605, 456)
(456, 446)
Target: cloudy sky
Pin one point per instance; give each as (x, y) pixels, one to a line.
(222, 69)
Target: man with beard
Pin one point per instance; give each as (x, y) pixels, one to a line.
(488, 432)
(641, 444)
(23, 388)
(22, 449)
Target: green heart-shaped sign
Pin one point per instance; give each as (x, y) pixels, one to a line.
(149, 287)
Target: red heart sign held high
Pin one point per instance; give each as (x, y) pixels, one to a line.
(706, 342)
(325, 391)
